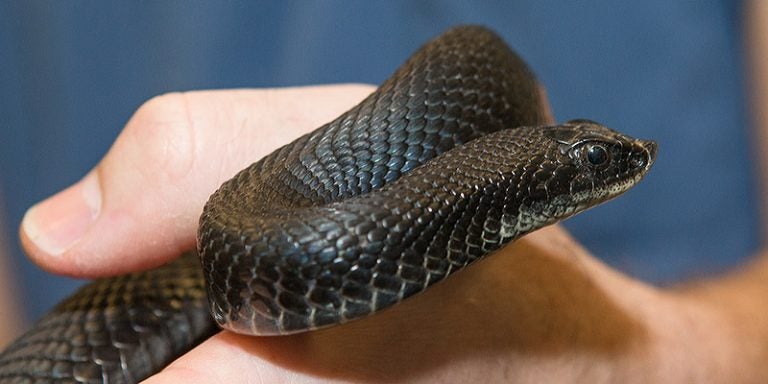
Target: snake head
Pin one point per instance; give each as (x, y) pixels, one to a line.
(591, 164)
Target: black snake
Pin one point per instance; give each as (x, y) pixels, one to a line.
(446, 162)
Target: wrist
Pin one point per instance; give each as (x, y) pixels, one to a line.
(720, 326)
(713, 331)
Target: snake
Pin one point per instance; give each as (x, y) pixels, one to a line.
(448, 160)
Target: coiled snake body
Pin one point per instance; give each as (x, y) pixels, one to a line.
(446, 162)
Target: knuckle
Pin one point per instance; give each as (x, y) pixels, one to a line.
(158, 138)
(162, 108)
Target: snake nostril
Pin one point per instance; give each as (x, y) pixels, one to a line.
(644, 155)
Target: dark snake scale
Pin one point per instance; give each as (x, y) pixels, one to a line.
(446, 162)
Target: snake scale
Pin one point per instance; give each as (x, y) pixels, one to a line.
(445, 162)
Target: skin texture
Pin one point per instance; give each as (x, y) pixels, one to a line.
(560, 315)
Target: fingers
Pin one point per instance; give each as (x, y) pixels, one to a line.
(512, 317)
(140, 205)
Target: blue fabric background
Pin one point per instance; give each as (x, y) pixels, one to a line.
(72, 73)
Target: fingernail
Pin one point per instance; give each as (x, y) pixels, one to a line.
(57, 223)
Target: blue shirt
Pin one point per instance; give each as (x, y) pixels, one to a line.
(72, 74)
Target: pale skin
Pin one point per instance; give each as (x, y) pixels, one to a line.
(541, 310)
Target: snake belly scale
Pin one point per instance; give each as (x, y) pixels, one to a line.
(447, 161)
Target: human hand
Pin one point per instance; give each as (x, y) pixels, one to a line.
(540, 310)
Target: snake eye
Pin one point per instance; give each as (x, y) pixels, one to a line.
(597, 154)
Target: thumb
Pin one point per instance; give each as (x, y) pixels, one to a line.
(139, 207)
